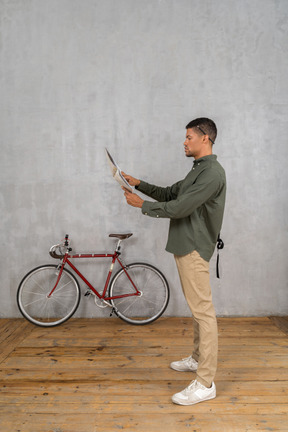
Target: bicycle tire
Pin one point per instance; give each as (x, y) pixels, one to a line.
(152, 302)
(34, 304)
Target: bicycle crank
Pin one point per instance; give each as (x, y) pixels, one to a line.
(101, 303)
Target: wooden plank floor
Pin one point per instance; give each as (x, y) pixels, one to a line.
(103, 375)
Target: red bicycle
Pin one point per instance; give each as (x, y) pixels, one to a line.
(50, 294)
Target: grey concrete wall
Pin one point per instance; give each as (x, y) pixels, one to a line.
(79, 75)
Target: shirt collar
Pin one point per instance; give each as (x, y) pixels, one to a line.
(205, 158)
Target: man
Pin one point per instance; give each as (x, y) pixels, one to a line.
(195, 207)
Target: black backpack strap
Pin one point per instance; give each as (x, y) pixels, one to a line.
(220, 245)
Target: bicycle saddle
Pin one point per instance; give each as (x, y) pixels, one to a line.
(121, 236)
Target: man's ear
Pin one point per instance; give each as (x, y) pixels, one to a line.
(206, 139)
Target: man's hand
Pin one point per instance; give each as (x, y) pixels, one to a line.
(133, 199)
(131, 180)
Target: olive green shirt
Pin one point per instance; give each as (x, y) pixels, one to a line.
(194, 205)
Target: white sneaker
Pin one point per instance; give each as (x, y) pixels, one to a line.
(194, 393)
(185, 365)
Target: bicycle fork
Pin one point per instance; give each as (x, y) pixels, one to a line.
(59, 268)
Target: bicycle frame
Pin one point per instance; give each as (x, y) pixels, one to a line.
(114, 257)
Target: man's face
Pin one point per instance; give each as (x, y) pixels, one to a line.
(193, 143)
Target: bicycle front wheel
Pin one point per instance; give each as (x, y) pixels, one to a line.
(35, 304)
(152, 300)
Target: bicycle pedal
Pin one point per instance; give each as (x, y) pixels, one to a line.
(112, 311)
(87, 293)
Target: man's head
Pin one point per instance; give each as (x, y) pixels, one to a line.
(200, 136)
(204, 126)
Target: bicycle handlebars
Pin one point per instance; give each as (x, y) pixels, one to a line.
(59, 254)
(53, 252)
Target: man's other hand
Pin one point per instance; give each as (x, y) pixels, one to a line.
(133, 199)
(131, 180)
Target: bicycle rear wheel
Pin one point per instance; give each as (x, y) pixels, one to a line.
(153, 298)
(33, 300)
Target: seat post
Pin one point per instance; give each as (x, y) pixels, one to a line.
(118, 247)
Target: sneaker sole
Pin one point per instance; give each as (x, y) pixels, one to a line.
(183, 370)
(175, 401)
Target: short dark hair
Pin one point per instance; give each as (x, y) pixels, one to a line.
(204, 126)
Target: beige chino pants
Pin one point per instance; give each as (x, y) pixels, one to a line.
(195, 280)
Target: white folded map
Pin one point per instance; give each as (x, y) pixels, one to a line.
(116, 172)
